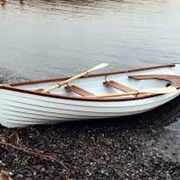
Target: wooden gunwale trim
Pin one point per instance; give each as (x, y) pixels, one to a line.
(93, 75)
(76, 98)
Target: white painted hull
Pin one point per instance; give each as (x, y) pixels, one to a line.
(19, 109)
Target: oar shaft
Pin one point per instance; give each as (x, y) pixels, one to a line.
(170, 89)
(64, 82)
(102, 65)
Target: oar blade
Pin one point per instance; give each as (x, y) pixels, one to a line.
(170, 89)
(100, 66)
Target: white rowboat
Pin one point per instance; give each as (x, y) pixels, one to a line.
(96, 96)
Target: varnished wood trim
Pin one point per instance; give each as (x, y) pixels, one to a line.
(173, 79)
(119, 86)
(79, 90)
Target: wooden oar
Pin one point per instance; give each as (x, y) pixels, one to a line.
(58, 85)
(170, 89)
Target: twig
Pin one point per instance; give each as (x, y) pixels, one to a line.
(36, 152)
(16, 131)
(15, 135)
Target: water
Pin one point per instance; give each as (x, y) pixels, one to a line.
(41, 39)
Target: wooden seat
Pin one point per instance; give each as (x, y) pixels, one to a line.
(173, 79)
(79, 90)
(119, 86)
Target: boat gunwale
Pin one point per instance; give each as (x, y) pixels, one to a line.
(12, 87)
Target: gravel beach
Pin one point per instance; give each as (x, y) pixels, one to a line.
(145, 146)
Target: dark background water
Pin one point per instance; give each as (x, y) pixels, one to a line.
(49, 38)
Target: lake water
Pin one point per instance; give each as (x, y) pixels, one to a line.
(50, 38)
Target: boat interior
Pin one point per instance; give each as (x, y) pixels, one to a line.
(129, 83)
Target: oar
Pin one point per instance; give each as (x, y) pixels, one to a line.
(170, 89)
(58, 85)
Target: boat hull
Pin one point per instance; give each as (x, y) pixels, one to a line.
(21, 104)
(21, 109)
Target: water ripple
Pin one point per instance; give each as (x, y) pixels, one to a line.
(79, 33)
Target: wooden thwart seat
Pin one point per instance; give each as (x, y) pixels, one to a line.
(119, 86)
(79, 90)
(175, 80)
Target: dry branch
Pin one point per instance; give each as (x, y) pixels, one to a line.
(35, 152)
